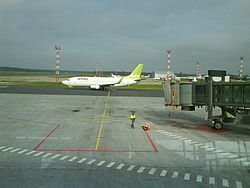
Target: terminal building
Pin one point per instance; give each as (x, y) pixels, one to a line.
(161, 75)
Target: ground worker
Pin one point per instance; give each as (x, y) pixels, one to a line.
(133, 117)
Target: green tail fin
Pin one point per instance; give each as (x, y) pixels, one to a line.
(136, 74)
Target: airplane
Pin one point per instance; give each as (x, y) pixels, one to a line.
(99, 83)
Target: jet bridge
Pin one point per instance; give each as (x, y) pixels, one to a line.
(231, 97)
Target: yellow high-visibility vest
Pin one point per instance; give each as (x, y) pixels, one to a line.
(132, 117)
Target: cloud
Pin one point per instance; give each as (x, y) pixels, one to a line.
(120, 34)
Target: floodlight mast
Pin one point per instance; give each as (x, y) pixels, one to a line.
(198, 75)
(168, 64)
(241, 67)
(57, 48)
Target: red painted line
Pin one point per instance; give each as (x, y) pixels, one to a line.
(42, 122)
(152, 143)
(94, 150)
(38, 145)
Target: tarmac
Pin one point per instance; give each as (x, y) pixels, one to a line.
(82, 138)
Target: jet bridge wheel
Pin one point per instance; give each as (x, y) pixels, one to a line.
(217, 124)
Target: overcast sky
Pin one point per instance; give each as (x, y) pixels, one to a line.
(119, 34)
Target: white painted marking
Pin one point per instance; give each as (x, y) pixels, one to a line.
(2, 147)
(172, 135)
(100, 163)
(82, 160)
(178, 137)
(225, 183)
(158, 131)
(120, 166)
(205, 146)
(22, 151)
(72, 159)
(168, 134)
(66, 156)
(55, 156)
(92, 161)
(232, 156)
(210, 149)
(141, 169)
(225, 153)
(37, 154)
(239, 184)
(175, 174)
(163, 173)
(46, 155)
(199, 144)
(15, 150)
(199, 179)
(193, 142)
(188, 140)
(152, 171)
(211, 180)
(187, 177)
(110, 164)
(246, 163)
(30, 152)
(20, 137)
(183, 138)
(131, 167)
(219, 151)
(241, 159)
(7, 149)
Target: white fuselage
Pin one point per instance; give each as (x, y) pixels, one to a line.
(98, 82)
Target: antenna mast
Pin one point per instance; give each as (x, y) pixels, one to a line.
(57, 48)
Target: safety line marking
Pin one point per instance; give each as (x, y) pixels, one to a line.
(7, 149)
(120, 166)
(37, 154)
(141, 169)
(241, 159)
(232, 156)
(30, 152)
(175, 174)
(100, 163)
(102, 123)
(187, 177)
(55, 156)
(210, 149)
(65, 157)
(246, 163)
(225, 153)
(131, 167)
(198, 144)
(225, 183)
(199, 179)
(163, 173)
(22, 151)
(82, 160)
(46, 155)
(211, 180)
(110, 164)
(219, 151)
(15, 150)
(152, 171)
(72, 159)
(92, 161)
(2, 147)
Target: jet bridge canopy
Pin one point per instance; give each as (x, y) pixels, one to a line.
(231, 97)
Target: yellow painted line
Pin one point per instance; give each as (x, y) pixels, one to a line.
(98, 121)
(101, 124)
